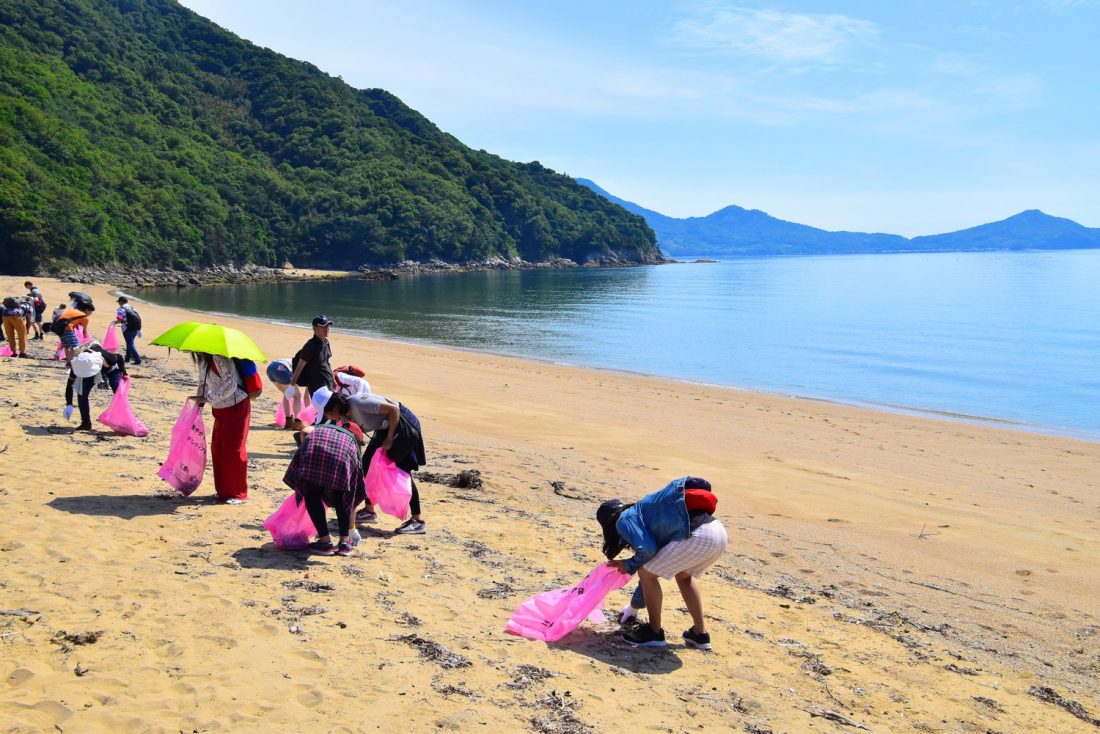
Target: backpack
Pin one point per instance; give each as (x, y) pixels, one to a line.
(133, 318)
(248, 377)
(351, 369)
(60, 324)
(294, 367)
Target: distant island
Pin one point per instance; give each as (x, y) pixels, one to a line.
(137, 133)
(737, 232)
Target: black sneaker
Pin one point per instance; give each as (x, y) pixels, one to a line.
(644, 636)
(343, 549)
(320, 548)
(698, 641)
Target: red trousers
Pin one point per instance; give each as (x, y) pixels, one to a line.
(228, 450)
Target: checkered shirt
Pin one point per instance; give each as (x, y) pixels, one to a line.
(329, 458)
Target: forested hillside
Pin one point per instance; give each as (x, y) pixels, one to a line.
(136, 132)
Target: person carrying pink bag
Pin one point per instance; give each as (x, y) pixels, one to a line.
(674, 534)
(397, 433)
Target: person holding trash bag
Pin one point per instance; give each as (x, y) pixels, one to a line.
(90, 361)
(669, 541)
(279, 371)
(326, 469)
(396, 432)
(229, 393)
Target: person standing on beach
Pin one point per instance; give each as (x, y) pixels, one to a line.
(396, 432)
(669, 541)
(230, 395)
(326, 469)
(38, 302)
(15, 326)
(130, 321)
(312, 363)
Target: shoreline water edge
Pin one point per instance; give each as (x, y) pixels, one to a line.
(131, 289)
(886, 571)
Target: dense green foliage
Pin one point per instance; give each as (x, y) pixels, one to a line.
(136, 132)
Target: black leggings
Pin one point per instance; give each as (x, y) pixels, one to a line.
(414, 503)
(315, 506)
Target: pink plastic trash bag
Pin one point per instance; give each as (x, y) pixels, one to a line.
(59, 355)
(290, 526)
(5, 350)
(388, 486)
(280, 416)
(552, 615)
(110, 339)
(307, 415)
(118, 416)
(186, 462)
(80, 335)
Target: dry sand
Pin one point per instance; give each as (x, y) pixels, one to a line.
(884, 571)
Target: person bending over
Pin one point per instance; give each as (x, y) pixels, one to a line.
(669, 541)
(396, 432)
(326, 469)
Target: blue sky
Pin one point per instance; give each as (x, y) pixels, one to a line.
(905, 117)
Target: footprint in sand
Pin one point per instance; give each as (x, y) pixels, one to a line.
(19, 677)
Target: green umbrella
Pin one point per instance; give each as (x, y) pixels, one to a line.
(191, 336)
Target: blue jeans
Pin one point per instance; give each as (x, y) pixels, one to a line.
(114, 379)
(131, 351)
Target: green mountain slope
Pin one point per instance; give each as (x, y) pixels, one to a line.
(136, 132)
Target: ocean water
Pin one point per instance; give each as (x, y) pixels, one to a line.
(1004, 337)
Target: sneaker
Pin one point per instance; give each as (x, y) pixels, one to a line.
(84, 427)
(343, 549)
(325, 548)
(644, 636)
(236, 501)
(699, 642)
(366, 517)
(411, 527)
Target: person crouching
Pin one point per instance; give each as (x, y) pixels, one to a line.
(327, 469)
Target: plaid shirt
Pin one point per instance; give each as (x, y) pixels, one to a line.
(329, 458)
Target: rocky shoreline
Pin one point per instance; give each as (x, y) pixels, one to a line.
(125, 277)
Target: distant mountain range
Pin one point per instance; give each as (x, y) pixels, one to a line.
(737, 232)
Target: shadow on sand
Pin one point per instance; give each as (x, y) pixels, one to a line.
(609, 648)
(125, 506)
(270, 556)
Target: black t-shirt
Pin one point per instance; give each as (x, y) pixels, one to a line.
(318, 372)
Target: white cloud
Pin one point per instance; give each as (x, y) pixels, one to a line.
(774, 35)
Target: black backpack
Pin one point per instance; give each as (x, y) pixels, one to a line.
(58, 325)
(133, 319)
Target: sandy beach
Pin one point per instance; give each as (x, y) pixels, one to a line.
(885, 572)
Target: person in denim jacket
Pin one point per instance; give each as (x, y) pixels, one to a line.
(674, 535)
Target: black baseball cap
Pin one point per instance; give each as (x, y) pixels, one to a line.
(322, 320)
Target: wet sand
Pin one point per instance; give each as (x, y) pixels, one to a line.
(888, 571)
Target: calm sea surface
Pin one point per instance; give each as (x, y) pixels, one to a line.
(1002, 336)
